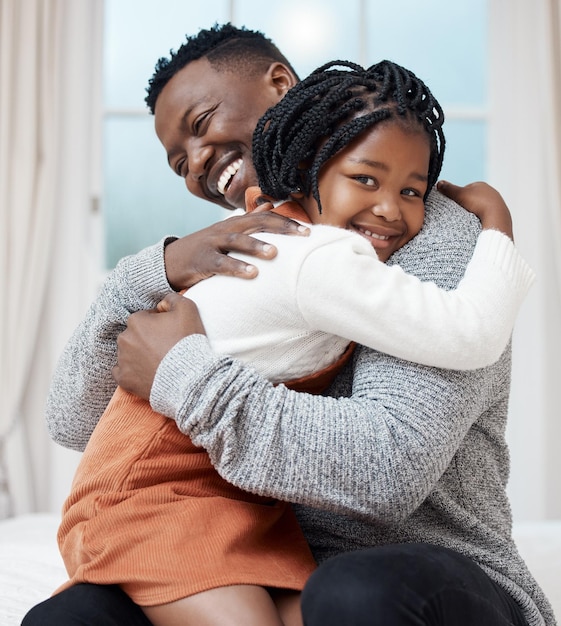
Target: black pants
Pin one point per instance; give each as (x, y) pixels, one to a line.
(398, 585)
(406, 585)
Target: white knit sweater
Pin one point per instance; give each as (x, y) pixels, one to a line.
(330, 288)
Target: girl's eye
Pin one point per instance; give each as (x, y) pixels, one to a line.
(366, 180)
(410, 192)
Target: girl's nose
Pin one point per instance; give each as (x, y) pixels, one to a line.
(387, 207)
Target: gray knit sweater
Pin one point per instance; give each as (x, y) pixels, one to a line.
(399, 452)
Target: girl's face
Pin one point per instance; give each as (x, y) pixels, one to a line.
(375, 186)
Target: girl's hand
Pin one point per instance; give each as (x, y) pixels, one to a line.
(205, 253)
(482, 200)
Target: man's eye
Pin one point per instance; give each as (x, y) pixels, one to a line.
(202, 120)
(198, 123)
(179, 167)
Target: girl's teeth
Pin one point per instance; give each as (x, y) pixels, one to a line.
(374, 235)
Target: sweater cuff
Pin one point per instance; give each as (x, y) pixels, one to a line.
(497, 249)
(178, 371)
(144, 274)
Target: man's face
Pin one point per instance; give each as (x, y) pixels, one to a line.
(205, 120)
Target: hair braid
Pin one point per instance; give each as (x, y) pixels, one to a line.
(323, 113)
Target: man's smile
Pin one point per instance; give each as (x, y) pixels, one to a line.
(227, 175)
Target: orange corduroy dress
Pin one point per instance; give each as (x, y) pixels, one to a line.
(149, 512)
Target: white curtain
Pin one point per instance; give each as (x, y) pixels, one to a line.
(48, 80)
(525, 160)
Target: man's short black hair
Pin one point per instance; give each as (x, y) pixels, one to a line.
(226, 47)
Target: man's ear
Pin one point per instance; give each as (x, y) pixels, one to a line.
(281, 78)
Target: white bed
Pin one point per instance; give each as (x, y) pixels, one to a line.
(30, 564)
(31, 567)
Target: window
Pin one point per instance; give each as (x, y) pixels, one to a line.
(443, 42)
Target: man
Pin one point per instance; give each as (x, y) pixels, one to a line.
(404, 466)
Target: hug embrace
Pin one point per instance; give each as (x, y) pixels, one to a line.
(361, 375)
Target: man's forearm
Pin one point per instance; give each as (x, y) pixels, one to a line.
(336, 454)
(82, 384)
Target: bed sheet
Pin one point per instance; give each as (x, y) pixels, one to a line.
(31, 567)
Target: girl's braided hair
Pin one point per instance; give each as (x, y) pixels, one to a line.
(323, 113)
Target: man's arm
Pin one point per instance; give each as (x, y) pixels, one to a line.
(379, 452)
(82, 384)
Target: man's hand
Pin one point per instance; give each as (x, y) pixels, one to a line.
(204, 253)
(149, 336)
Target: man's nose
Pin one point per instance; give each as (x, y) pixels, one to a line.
(199, 157)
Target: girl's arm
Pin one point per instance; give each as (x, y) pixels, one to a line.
(346, 291)
(393, 312)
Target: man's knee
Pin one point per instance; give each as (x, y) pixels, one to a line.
(349, 589)
(87, 605)
(402, 584)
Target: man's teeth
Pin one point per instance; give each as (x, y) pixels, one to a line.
(227, 175)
